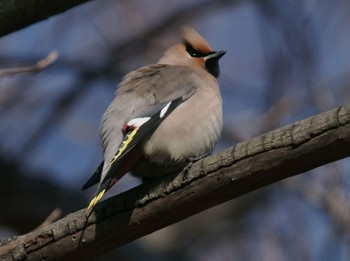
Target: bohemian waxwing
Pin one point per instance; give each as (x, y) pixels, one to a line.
(162, 115)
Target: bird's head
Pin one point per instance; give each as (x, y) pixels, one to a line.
(194, 52)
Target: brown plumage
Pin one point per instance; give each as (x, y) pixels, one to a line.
(162, 114)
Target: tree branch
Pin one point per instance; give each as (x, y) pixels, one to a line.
(249, 165)
(17, 14)
(40, 65)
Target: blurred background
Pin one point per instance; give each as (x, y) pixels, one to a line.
(286, 60)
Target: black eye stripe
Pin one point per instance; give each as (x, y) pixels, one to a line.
(192, 52)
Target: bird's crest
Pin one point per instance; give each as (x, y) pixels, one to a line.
(192, 37)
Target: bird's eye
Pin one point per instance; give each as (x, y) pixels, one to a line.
(191, 51)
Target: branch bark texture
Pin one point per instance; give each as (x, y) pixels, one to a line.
(17, 14)
(238, 170)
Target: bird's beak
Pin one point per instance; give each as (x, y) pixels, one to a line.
(215, 55)
(212, 62)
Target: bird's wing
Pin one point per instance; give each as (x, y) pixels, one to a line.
(95, 178)
(135, 132)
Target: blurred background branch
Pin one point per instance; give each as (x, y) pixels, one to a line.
(40, 65)
(17, 14)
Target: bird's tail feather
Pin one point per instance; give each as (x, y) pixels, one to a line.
(94, 201)
(100, 192)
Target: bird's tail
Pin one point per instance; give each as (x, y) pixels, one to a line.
(104, 186)
(95, 178)
(94, 201)
(100, 192)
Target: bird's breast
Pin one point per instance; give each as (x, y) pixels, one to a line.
(191, 130)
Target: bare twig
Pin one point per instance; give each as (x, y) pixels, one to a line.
(54, 216)
(40, 65)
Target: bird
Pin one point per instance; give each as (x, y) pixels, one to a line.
(162, 115)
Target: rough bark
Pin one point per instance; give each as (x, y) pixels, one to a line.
(238, 170)
(17, 14)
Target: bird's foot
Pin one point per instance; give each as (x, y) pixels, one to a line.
(190, 162)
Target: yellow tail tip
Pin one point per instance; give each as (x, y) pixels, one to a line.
(96, 199)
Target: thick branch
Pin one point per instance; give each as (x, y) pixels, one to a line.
(249, 165)
(17, 14)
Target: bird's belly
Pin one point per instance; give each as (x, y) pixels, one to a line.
(190, 131)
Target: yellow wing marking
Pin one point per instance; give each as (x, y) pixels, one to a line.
(125, 144)
(120, 151)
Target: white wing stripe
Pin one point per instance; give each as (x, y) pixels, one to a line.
(137, 122)
(164, 110)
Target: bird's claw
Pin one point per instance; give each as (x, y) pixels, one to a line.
(189, 164)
